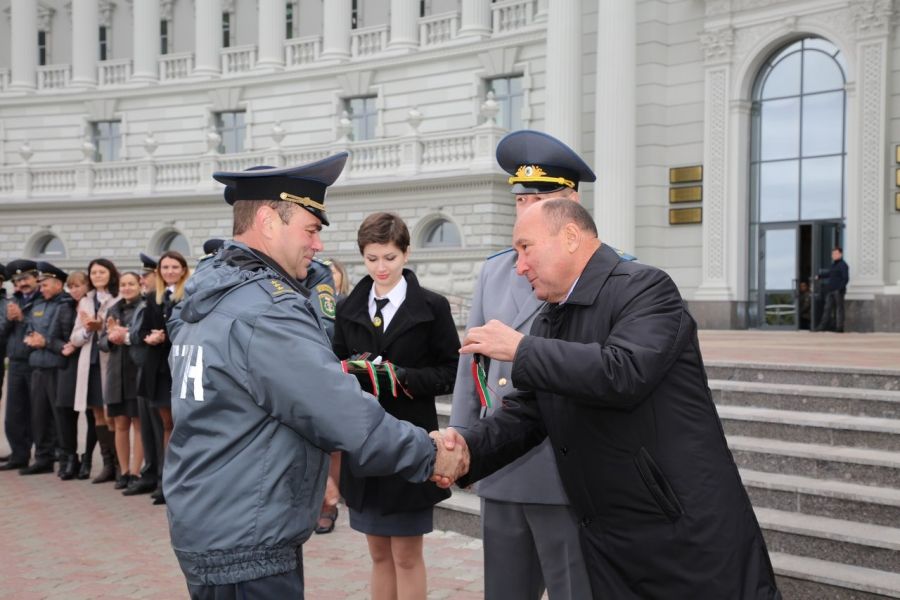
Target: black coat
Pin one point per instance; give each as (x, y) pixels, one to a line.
(155, 379)
(421, 339)
(614, 376)
(121, 371)
(838, 276)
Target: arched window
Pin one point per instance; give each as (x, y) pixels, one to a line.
(441, 234)
(174, 241)
(49, 248)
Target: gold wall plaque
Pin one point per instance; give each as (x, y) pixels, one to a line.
(693, 193)
(897, 177)
(682, 216)
(686, 174)
(897, 154)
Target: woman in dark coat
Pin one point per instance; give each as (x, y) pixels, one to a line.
(64, 410)
(122, 379)
(389, 315)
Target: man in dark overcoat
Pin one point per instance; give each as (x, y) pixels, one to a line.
(612, 374)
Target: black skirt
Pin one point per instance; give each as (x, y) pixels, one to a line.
(95, 387)
(126, 408)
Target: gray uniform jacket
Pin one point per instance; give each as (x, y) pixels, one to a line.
(320, 282)
(503, 295)
(51, 318)
(16, 349)
(259, 401)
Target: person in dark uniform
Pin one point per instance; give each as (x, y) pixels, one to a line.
(612, 373)
(3, 303)
(51, 315)
(529, 531)
(260, 400)
(835, 288)
(396, 321)
(66, 381)
(17, 425)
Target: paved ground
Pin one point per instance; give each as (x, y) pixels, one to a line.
(74, 540)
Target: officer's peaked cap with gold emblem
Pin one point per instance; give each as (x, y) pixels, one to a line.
(304, 185)
(49, 271)
(148, 263)
(539, 163)
(21, 267)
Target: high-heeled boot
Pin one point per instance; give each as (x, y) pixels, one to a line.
(106, 440)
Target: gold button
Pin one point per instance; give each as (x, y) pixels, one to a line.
(502, 381)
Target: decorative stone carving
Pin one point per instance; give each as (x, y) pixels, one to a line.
(165, 9)
(345, 126)
(714, 175)
(106, 10)
(213, 140)
(717, 43)
(490, 108)
(150, 144)
(871, 86)
(88, 150)
(45, 18)
(414, 119)
(277, 133)
(871, 17)
(25, 152)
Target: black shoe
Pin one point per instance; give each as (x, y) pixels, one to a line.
(139, 486)
(331, 518)
(45, 466)
(69, 469)
(157, 493)
(5, 457)
(14, 465)
(159, 500)
(122, 481)
(85, 471)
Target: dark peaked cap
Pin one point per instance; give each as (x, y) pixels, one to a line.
(47, 270)
(22, 266)
(148, 263)
(213, 245)
(304, 185)
(539, 163)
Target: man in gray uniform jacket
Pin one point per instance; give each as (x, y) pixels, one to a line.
(259, 399)
(530, 533)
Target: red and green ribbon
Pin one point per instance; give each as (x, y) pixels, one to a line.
(481, 386)
(373, 369)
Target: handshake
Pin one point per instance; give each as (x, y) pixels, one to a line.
(452, 460)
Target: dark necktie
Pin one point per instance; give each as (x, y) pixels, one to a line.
(378, 319)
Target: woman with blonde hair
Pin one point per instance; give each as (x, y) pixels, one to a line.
(156, 380)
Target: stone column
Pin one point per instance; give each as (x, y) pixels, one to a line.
(336, 29)
(476, 19)
(207, 37)
(614, 122)
(85, 42)
(23, 45)
(145, 36)
(271, 34)
(563, 96)
(404, 25)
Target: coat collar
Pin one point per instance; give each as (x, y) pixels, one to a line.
(598, 269)
(413, 310)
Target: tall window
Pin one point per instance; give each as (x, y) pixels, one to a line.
(289, 20)
(163, 37)
(42, 47)
(354, 14)
(226, 30)
(104, 43)
(363, 117)
(799, 131)
(106, 139)
(509, 97)
(230, 125)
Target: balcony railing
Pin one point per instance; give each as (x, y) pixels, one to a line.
(510, 15)
(175, 66)
(238, 59)
(114, 72)
(302, 51)
(368, 40)
(53, 77)
(438, 29)
(469, 150)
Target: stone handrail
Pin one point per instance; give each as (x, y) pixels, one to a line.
(175, 66)
(53, 77)
(114, 72)
(238, 59)
(302, 51)
(438, 29)
(469, 149)
(510, 15)
(368, 40)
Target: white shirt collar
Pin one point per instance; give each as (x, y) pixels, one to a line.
(571, 289)
(396, 296)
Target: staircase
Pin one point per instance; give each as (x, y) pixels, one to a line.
(819, 453)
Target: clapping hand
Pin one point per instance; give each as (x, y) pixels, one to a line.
(452, 461)
(35, 340)
(115, 332)
(90, 323)
(14, 312)
(155, 337)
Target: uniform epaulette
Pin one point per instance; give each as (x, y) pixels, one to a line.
(623, 255)
(277, 288)
(501, 253)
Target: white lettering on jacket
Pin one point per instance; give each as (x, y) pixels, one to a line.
(192, 370)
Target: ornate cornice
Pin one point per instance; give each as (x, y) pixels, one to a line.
(717, 43)
(872, 17)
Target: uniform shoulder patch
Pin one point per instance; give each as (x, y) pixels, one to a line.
(326, 299)
(277, 288)
(501, 253)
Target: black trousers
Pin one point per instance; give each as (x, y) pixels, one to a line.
(833, 314)
(285, 586)
(151, 440)
(18, 411)
(66, 429)
(43, 425)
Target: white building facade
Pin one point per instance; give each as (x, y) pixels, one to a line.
(735, 141)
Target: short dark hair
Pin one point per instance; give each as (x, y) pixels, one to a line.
(245, 210)
(559, 212)
(113, 286)
(383, 228)
(839, 249)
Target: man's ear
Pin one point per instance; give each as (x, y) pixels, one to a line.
(265, 220)
(572, 236)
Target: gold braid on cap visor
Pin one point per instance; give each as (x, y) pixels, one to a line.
(302, 201)
(528, 173)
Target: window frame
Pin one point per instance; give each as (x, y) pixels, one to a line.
(111, 140)
(505, 117)
(438, 225)
(368, 118)
(238, 132)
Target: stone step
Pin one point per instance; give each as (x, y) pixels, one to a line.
(823, 399)
(816, 375)
(461, 512)
(858, 465)
(824, 498)
(846, 542)
(809, 427)
(804, 578)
